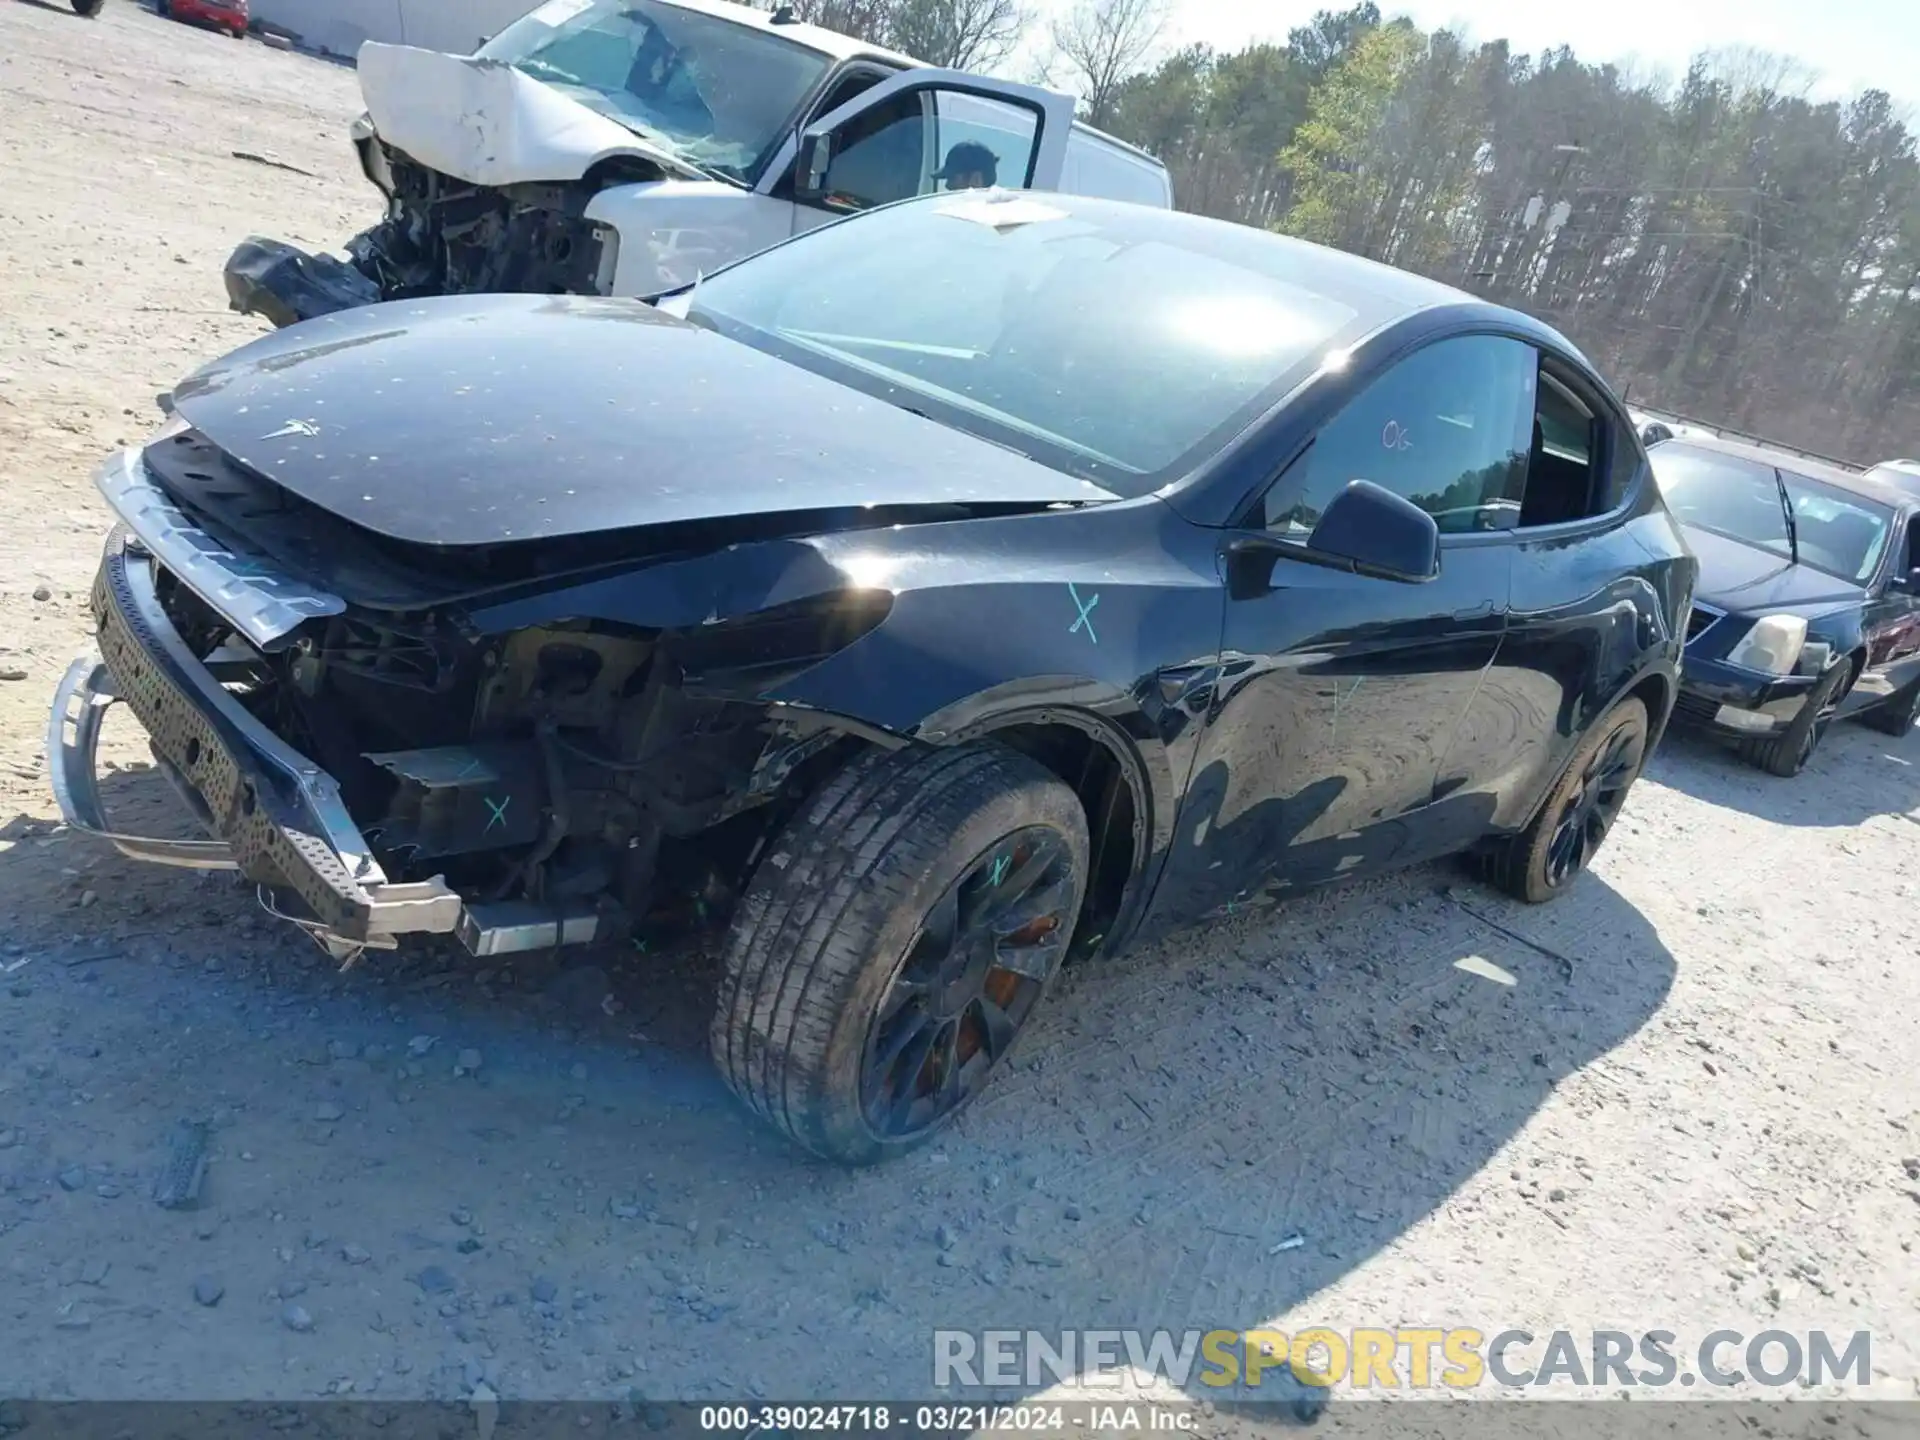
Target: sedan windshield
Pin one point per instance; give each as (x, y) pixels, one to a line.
(719, 94)
(1118, 344)
(1837, 531)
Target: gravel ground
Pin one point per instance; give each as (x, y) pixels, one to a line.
(424, 1175)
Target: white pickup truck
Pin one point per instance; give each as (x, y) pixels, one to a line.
(624, 147)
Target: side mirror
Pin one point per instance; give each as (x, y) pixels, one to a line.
(810, 168)
(1910, 582)
(1379, 533)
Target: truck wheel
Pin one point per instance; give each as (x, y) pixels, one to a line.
(1786, 755)
(1895, 715)
(894, 941)
(1542, 862)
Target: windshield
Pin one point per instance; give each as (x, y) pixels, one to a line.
(1119, 344)
(1838, 532)
(720, 94)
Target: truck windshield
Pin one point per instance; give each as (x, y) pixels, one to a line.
(719, 94)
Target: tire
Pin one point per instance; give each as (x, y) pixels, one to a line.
(833, 958)
(1895, 715)
(1542, 862)
(1786, 755)
(88, 8)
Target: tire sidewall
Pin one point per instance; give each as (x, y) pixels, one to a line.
(838, 1097)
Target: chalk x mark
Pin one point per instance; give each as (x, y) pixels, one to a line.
(1085, 607)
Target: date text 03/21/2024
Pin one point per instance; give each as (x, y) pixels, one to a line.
(749, 1420)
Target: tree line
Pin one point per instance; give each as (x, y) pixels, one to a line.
(1726, 246)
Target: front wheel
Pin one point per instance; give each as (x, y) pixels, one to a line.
(1542, 862)
(893, 943)
(1788, 754)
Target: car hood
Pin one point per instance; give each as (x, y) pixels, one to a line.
(474, 420)
(485, 122)
(1735, 576)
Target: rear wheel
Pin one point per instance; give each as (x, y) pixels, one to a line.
(1786, 755)
(893, 944)
(1895, 715)
(1542, 862)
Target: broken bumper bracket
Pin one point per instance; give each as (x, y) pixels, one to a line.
(280, 817)
(288, 285)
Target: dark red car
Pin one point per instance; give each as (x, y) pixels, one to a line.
(228, 15)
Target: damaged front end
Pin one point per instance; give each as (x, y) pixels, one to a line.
(442, 236)
(384, 765)
(487, 173)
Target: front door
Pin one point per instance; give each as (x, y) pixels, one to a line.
(1891, 621)
(925, 130)
(1340, 693)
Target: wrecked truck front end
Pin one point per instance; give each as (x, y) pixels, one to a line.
(490, 163)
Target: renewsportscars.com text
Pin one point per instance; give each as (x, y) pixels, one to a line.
(1405, 1357)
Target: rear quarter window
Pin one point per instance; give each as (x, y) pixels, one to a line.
(1626, 456)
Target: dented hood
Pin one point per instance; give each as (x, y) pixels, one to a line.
(472, 420)
(487, 123)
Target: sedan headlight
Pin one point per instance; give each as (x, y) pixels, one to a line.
(1772, 646)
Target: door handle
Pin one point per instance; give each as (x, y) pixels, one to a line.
(1474, 612)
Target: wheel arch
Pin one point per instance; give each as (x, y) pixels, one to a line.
(1655, 685)
(1127, 797)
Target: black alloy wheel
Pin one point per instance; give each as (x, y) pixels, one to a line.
(895, 939)
(1542, 862)
(1590, 808)
(974, 974)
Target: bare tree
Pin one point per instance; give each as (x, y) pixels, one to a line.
(959, 34)
(1101, 43)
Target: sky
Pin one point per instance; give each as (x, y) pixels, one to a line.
(1852, 44)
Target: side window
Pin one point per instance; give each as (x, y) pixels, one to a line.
(1566, 478)
(879, 156)
(926, 140)
(982, 142)
(1445, 428)
(1625, 457)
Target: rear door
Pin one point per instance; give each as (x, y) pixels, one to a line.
(1587, 594)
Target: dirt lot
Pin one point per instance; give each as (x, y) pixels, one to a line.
(425, 1174)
